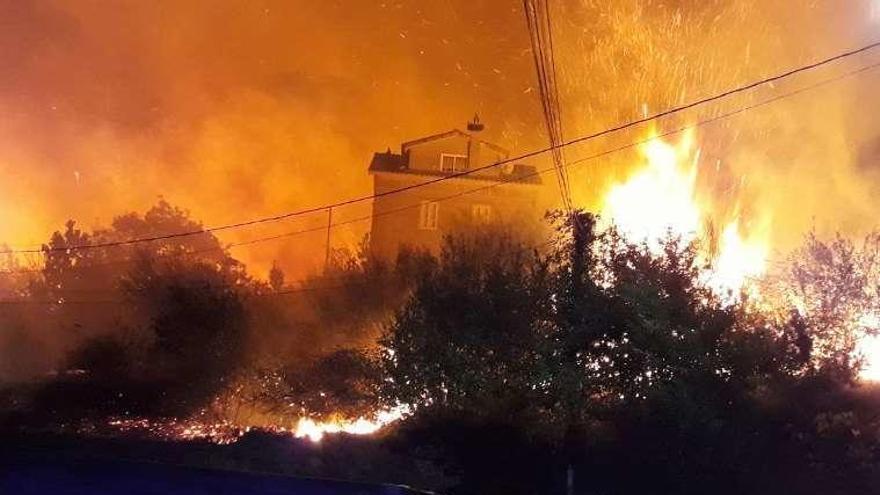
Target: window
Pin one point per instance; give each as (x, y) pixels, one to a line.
(428, 215)
(453, 163)
(481, 213)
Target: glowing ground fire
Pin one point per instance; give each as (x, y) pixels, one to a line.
(315, 430)
(225, 433)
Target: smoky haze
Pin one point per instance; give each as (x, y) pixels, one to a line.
(235, 110)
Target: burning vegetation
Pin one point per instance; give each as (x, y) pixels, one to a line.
(663, 199)
(597, 331)
(703, 308)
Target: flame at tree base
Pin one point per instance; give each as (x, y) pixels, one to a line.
(869, 347)
(315, 430)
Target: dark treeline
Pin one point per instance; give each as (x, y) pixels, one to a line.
(591, 359)
(618, 363)
(178, 327)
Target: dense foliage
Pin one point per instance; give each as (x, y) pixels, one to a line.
(589, 358)
(613, 359)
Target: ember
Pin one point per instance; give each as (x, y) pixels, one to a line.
(224, 432)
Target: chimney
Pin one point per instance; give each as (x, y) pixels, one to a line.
(475, 125)
(474, 144)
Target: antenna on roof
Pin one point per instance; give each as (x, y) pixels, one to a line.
(475, 125)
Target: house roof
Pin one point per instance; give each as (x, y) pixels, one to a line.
(454, 132)
(389, 162)
(399, 163)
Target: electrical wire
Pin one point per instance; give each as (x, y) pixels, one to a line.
(576, 162)
(505, 181)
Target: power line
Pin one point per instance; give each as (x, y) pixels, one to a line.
(630, 145)
(505, 181)
(541, 39)
(611, 130)
(283, 292)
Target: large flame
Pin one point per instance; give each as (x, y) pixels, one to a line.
(661, 198)
(868, 346)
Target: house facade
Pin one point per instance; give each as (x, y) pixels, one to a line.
(421, 216)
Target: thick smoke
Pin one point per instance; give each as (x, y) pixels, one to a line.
(237, 109)
(242, 109)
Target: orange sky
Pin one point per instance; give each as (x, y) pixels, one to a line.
(243, 109)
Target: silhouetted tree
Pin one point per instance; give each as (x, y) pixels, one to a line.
(832, 288)
(470, 336)
(276, 278)
(197, 318)
(615, 355)
(343, 384)
(159, 323)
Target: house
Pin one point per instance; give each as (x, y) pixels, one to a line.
(486, 194)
